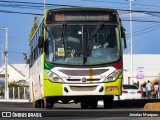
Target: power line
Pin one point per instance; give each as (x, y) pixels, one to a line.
(136, 20)
(33, 3)
(62, 5)
(149, 7)
(28, 13)
(140, 33)
(15, 52)
(121, 3)
(144, 28)
(154, 13)
(139, 11)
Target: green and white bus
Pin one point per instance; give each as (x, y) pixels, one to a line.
(76, 55)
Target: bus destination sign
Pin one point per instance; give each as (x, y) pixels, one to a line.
(62, 17)
(109, 16)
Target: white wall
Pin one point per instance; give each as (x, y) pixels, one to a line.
(16, 72)
(151, 64)
(14, 75)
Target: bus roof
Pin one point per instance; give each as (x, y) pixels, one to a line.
(76, 9)
(82, 8)
(72, 14)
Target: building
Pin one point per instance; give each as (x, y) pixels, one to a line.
(18, 78)
(16, 72)
(145, 67)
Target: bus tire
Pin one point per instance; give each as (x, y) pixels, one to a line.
(48, 103)
(42, 104)
(108, 101)
(37, 104)
(84, 104)
(93, 104)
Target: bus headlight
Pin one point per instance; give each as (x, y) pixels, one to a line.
(113, 76)
(53, 77)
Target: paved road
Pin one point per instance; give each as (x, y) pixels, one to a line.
(122, 110)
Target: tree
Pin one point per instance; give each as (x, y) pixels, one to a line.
(34, 27)
(26, 58)
(15, 85)
(33, 30)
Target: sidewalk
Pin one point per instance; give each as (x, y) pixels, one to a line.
(15, 100)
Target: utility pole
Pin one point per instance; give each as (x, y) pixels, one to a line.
(2, 55)
(130, 41)
(6, 63)
(44, 6)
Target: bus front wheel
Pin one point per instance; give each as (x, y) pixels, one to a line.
(84, 104)
(37, 104)
(48, 103)
(93, 104)
(89, 104)
(108, 101)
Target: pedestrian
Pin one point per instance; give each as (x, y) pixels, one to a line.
(143, 90)
(156, 90)
(148, 89)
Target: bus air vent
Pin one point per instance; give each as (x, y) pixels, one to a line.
(83, 88)
(82, 72)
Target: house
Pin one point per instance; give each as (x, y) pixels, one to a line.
(16, 72)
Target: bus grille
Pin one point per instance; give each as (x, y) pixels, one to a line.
(83, 88)
(83, 72)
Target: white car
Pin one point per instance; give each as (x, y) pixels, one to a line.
(129, 92)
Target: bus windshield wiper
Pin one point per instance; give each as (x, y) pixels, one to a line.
(85, 49)
(89, 38)
(62, 39)
(96, 30)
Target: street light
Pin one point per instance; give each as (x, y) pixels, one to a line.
(6, 63)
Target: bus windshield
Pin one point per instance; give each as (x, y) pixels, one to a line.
(82, 44)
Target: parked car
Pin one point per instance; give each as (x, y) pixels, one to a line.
(129, 92)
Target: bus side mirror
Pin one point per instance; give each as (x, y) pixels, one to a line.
(123, 35)
(40, 42)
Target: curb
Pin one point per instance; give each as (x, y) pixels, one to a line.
(152, 107)
(15, 100)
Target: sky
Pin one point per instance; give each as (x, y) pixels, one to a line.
(145, 24)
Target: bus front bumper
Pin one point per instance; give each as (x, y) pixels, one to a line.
(91, 89)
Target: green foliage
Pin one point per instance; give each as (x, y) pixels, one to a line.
(17, 95)
(15, 84)
(1, 89)
(26, 58)
(34, 27)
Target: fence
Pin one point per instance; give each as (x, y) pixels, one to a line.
(19, 93)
